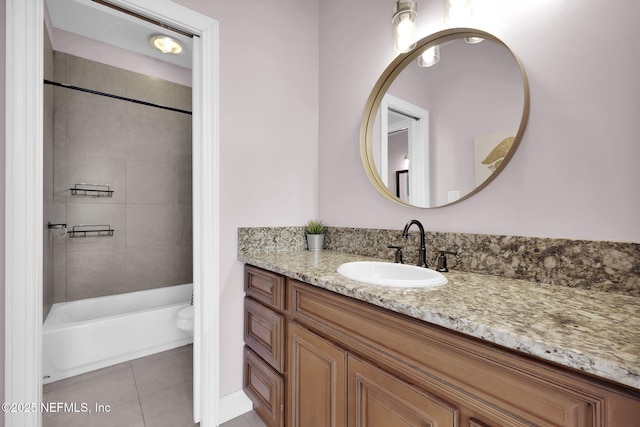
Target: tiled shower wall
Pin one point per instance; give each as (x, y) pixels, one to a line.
(144, 154)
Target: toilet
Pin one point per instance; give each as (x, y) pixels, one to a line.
(185, 320)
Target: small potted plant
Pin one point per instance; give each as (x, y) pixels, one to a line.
(315, 235)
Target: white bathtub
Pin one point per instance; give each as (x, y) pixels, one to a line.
(81, 336)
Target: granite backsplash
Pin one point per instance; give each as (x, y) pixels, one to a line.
(597, 265)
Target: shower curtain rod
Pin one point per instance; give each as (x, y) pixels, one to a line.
(108, 95)
(144, 18)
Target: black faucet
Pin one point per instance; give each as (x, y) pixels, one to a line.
(423, 248)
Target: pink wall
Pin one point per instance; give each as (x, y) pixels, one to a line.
(268, 137)
(575, 174)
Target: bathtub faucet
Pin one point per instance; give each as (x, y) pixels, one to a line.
(422, 262)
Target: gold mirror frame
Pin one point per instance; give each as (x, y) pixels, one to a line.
(387, 78)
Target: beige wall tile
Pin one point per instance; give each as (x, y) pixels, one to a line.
(153, 134)
(60, 67)
(184, 224)
(96, 76)
(180, 132)
(151, 182)
(95, 125)
(184, 264)
(184, 179)
(150, 89)
(59, 270)
(96, 273)
(59, 140)
(149, 268)
(150, 226)
(183, 98)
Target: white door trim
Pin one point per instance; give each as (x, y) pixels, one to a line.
(23, 209)
(418, 147)
(24, 224)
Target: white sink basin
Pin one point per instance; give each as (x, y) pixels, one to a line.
(392, 274)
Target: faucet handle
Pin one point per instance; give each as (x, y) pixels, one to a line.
(442, 261)
(398, 255)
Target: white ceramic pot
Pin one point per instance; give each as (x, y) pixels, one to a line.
(315, 242)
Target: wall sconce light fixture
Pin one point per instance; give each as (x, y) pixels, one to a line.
(457, 11)
(429, 57)
(404, 26)
(166, 44)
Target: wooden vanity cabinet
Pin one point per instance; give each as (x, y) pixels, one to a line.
(343, 362)
(402, 371)
(324, 380)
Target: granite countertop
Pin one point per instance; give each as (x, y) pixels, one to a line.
(596, 332)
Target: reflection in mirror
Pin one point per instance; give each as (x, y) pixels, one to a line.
(403, 137)
(456, 123)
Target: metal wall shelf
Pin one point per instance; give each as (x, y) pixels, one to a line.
(92, 190)
(90, 231)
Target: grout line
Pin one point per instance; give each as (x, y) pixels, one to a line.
(135, 382)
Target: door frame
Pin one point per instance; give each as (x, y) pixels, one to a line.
(419, 152)
(24, 222)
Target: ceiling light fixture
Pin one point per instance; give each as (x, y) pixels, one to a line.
(166, 44)
(404, 26)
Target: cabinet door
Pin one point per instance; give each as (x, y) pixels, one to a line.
(316, 382)
(378, 399)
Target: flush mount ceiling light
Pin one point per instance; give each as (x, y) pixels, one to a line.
(166, 44)
(404, 26)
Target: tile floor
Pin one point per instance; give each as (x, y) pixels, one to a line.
(153, 391)
(250, 419)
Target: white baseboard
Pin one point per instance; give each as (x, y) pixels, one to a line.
(233, 405)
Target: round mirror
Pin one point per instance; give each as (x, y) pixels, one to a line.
(444, 119)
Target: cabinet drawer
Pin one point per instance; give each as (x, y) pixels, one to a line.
(264, 333)
(264, 286)
(265, 388)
